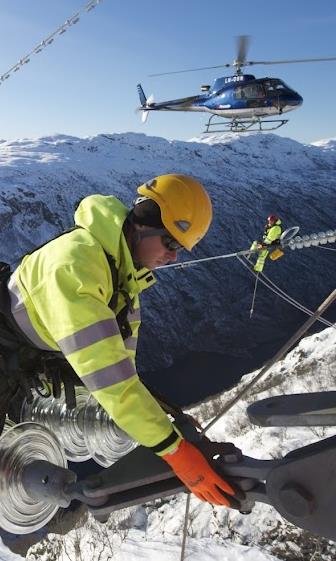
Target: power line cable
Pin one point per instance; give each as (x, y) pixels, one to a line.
(48, 40)
(204, 259)
(254, 296)
(278, 356)
(282, 294)
(328, 248)
(312, 240)
(295, 302)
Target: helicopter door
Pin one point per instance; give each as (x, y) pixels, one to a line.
(253, 94)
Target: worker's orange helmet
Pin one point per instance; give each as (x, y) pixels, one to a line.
(185, 206)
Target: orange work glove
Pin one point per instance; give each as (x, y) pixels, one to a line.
(194, 470)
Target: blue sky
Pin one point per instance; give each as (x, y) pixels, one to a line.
(85, 82)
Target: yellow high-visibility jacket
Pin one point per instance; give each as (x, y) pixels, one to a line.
(59, 298)
(272, 233)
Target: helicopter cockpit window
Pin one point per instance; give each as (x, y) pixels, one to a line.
(275, 87)
(249, 91)
(239, 94)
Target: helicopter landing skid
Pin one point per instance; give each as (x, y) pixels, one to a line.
(247, 125)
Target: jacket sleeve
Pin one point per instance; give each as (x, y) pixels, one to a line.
(72, 305)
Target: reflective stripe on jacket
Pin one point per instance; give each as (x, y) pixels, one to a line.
(59, 298)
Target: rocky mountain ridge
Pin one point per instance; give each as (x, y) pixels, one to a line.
(194, 319)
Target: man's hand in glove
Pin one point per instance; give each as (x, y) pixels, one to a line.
(199, 475)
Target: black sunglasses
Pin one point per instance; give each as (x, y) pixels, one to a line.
(167, 240)
(170, 243)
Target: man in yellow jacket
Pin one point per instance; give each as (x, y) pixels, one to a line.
(64, 298)
(271, 237)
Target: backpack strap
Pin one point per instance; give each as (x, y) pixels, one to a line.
(5, 271)
(11, 336)
(121, 316)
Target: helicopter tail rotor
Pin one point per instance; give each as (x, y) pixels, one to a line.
(145, 113)
(144, 116)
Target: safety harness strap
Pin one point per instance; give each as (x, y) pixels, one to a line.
(14, 345)
(121, 316)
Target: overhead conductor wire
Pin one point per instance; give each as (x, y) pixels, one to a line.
(254, 294)
(282, 294)
(294, 244)
(48, 40)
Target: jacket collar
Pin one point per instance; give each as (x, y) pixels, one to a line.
(104, 217)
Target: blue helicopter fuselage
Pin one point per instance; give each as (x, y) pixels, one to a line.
(245, 96)
(234, 97)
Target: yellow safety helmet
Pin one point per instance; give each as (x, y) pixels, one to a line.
(185, 206)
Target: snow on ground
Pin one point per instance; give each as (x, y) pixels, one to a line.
(7, 555)
(326, 144)
(309, 367)
(154, 531)
(203, 549)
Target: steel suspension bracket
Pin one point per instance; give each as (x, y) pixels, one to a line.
(301, 486)
(304, 491)
(138, 477)
(295, 410)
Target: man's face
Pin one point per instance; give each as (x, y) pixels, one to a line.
(151, 252)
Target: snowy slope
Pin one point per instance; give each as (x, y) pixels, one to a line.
(154, 531)
(248, 176)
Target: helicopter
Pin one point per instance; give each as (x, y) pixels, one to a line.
(245, 100)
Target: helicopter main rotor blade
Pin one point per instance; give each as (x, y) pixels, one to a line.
(190, 70)
(250, 63)
(242, 47)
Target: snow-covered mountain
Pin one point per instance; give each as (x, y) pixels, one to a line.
(195, 319)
